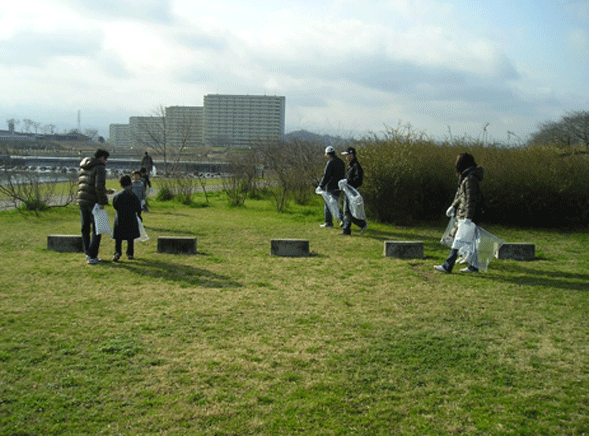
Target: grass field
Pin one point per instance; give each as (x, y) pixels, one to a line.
(234, 341)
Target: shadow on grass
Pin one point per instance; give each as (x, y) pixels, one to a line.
(521, 275)
(185, 275)
(170, 231)
(391, 235)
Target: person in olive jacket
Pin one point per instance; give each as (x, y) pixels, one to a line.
(466, 204)
(354, 178)
(92, 190)
(126, 226)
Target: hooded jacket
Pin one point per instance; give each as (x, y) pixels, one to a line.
(468, 197)
(92, 183)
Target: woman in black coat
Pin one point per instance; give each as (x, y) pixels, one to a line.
(126, 226)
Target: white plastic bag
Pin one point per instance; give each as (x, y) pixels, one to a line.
(355, 200)
(447, 240)
(144, 237)
(102, 220)
(464, 240)
(332, 204)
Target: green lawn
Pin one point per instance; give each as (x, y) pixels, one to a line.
(234, 341)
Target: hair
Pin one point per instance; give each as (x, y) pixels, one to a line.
(101, 153)
(125, 181)
(464, 161)
(142, 170)
(136, 172)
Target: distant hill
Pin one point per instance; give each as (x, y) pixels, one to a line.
(324, 140)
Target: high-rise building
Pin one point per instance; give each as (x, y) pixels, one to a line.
(237, 120)
(120, 135)
(147, 131)
(185, 126)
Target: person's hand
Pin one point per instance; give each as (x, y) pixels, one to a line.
(450, 211)
(318, 190)
(342, 182)
(101, 207)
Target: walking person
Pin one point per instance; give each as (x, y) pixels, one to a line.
(147, 163)
(466, 205)
(333, 173)
(126, 225)
(139, 188)
(354, 177)
(92, 190)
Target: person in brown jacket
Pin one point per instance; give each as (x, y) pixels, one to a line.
(92, 190)
(466, 204)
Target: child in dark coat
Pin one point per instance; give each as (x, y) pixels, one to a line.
(126, 226)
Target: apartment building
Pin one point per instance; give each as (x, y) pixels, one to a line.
(120, 135)
(237, 120)
(185, 125)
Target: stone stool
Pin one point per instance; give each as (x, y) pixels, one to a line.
(290, 247)
(403, 249)
(177, 245)
(517, 251)
(65, 243)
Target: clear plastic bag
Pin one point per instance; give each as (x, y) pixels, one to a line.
(355, 200)
(144, 237)
(447, 240)
(332, 204)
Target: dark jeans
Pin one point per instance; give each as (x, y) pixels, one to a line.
(91, 241)
(348, 219)
(130, 248)
(451, 260)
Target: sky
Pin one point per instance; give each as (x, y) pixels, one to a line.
(491, 69)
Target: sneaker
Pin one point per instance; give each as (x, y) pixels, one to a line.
(326, 226)
(469, 270)
(441, 268)
(93, 261)
(116, 257)
(364, 229)
(131, 258)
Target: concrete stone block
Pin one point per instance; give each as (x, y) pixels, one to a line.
(65, 243)
(290, 247)
(517, 251)
(403, 249)
(177, 245)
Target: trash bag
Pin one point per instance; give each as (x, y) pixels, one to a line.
(355, 200)
(482, 250)
(144, 237)
(102, 220)
(332, 205)
(447, 239)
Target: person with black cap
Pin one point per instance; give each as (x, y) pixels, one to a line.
(333, 173)
(354, 178)
(92, 190)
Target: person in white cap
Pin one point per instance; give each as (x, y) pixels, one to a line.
(334, 172)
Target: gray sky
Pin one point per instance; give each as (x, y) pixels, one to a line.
(346, 67)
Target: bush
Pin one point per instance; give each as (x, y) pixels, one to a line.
(411, 179)
(164, 194)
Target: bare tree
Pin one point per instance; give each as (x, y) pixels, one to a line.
(165, 136)
(241, 178)
(571, 129)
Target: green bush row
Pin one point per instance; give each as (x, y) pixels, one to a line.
(408, 179)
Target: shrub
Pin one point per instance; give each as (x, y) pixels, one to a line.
(413, 179)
